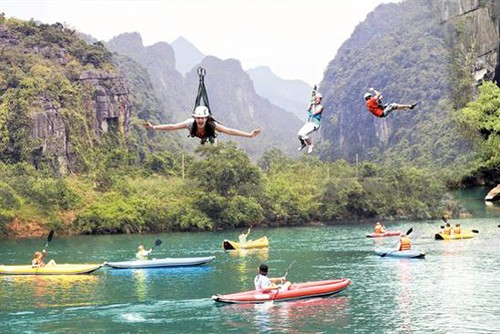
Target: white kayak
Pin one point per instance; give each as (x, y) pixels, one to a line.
(413, 254)
(162, 263)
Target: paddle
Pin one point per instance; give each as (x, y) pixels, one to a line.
(158, 242)
(49, 239)
(284, 276)
(407, 233)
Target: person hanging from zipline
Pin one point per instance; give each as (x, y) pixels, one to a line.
(315, 111)
(202, 124)
(375, 105)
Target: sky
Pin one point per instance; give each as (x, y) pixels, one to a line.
(295, 38)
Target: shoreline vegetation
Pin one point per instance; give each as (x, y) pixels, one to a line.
(221, 190)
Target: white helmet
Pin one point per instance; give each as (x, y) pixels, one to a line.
(367, 96)
(319, 95)
(201, 111)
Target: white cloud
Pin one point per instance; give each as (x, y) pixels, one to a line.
(295, 38)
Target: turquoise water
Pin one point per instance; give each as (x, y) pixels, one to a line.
(453, 290)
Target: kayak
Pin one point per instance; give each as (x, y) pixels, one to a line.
(385, 234)
(162, 263)
(296, 291)
(410, 254)
(259, 243)
(464, 235)
(59, 269)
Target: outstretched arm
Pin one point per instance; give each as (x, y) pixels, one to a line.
(234, 132)
(378, 95)
(165, 127)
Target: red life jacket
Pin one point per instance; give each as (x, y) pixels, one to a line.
(374, 107)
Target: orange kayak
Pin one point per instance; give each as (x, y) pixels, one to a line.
(296, 291)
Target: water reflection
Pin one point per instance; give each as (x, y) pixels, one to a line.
(403, 299)
(261, 253)
(249, 260)
(291, 317)
(140, 276)
(49, 290)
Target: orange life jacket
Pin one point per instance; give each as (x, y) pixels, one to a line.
(378, 228)
(447, 230)
(373, 106)
(404, 244)
(457, 230)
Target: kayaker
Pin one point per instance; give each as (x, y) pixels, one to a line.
(266, 284)
(447, 229)
(243, 236)
(457, 229)
(38, 260)
(142, 254)
(404, 243)
(379, 228)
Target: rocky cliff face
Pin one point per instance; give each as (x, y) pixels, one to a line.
(49, 72)
(475, 25)
(109, 107)
(409, 51)
(159, 61)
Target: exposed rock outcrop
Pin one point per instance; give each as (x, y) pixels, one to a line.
(493, 194)
(478, 28)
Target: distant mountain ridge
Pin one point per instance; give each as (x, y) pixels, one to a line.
(291, 95)
(186, 55)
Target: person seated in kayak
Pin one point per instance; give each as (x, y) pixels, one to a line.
(266, 284)
(375, 105)
(142, 254)
(404, 243)
(243, 236)
(457, 229)
(447, 229)
(38, 260)
(379, 228)
(203, 126)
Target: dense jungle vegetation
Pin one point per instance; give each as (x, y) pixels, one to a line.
(135, 182)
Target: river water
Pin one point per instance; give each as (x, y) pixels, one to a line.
(453, 290)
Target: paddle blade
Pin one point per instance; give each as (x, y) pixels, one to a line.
(158, 242)
(409, 231)
(51, 235)
(475, 231)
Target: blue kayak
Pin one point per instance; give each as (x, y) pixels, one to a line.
(162, 263)
(389, 252)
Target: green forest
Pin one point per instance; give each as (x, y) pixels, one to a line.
(136, 182)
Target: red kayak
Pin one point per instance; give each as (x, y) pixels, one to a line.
(296, 291)
(385, 234)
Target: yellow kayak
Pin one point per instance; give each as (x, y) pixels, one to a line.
(464, 235)
(259, 243)
(58, 269)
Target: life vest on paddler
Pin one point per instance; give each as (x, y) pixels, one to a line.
(202, 101)
(404, 243)
(457, 229)
(447, 229)
(378, 228)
